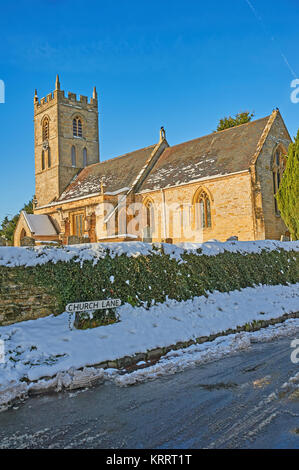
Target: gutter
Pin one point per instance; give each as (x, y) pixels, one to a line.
(59, 203)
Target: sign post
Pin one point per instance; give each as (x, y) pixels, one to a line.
(84, 312)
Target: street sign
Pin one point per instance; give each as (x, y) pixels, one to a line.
(92, 305)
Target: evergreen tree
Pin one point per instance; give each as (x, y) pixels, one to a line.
(8, 226)
(288, 193)
(240, 118)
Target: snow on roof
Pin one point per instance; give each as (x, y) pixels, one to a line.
(117, 173)
(220, 153)
(40, 224)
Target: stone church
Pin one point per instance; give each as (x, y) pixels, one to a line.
(213, 187)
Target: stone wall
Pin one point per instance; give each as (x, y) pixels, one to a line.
(18, 303)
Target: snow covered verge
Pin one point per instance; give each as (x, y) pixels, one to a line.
(46, 354)
(22, 256)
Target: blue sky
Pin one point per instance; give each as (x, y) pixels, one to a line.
(180, 64)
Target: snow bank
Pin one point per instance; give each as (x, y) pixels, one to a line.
(177, 361)
(33, 256)
(45, 347)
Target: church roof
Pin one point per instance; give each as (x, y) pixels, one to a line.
(39, 224)
(118, 175)
(219, 153)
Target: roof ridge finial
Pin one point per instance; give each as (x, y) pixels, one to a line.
(94, 93)
(103, 185)
(162, 134)
(57, 83)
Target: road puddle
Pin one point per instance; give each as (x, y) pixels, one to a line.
(218, 386)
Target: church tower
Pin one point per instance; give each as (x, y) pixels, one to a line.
(66, 139)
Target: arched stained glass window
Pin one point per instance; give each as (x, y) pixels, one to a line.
(203, 211)
(149, 221)
(150, 216)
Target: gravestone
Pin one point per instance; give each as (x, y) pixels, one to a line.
(27, 241)
(73, 240)
(51, 243)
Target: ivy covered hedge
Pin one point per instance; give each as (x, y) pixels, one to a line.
(149, 279)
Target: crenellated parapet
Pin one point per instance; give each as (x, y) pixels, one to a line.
(59, 96)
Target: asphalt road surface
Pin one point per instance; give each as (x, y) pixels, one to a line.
(236, 402)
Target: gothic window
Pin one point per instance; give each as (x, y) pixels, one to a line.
(49, 158)
(203, 211)
(45, 129)
(73, 155)
(150, 218)
(278, 168)
(77, 127)
(84, 157)
(43, 160)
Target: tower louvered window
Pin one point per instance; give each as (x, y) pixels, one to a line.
(45, 129)
(77, 127)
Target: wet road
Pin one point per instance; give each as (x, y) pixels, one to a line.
(236, 402)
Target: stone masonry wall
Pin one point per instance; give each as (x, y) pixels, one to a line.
(274, 225)
(17, 303)
(231, 210)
